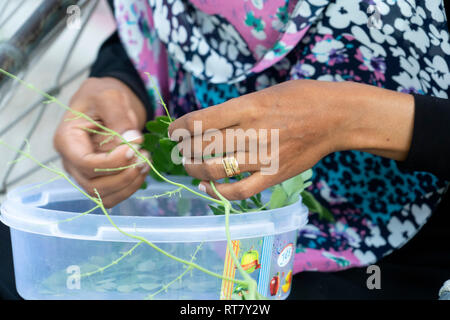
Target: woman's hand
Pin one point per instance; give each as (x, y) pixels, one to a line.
(111, 103)
(296, 124)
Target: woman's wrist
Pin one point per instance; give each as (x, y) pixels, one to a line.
(380, 121)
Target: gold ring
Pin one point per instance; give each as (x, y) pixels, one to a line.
(231, 166)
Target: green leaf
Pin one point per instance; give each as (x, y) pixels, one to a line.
(151, 141)
(315, 206)
(183, 206)
(167, 145)
(157, 126)
(307, 175)
(144, 186)
(219, 210)
(293, 185)
(278, 198)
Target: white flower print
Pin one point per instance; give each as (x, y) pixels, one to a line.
(176, 52)
(324, 48)
(343, 230)
(318, 3)
(179, 35)
(406, 7)
(198, 43)
(218, 68)
(344, 12)
(397, 51)
(362, 37)
(382, 7)
(365, 258)
(438, 70)
(195, 65)
(177, 7)
(421, 213)
(436, 7)
(407, 82)
(375, 239)
(304, 9)
(413, 78)
(439, 93)
(303, 70)
(260, 35)
(332, 78)
(413, 31)
(162, 22)
(383, 34)
(400, 232)
(229, 34)
(440, 38)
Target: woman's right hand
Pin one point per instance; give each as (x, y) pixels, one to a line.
(114, 105)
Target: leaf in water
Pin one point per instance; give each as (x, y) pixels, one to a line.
(150, 286)
(126, 288)
(145, 266)
(183, 206)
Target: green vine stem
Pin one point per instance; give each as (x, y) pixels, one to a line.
(248, 282)
(79, 114)
(101, 269)
(188, 268)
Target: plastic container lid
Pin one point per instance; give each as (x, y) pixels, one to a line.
(46, 209)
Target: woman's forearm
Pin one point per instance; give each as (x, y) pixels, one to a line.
(380, 121)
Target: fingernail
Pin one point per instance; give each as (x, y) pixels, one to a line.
(130, 152)
(131, 135)
(202, 187)
(145, 169)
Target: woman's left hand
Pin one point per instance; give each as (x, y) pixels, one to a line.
(286, 129)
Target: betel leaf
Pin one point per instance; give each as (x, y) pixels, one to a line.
(315, 207)
(219, 210)
(292, 188)
(293, 185)
(278, 198)
(156, 126)
(307, 175)
(167, 145)
(151, 142)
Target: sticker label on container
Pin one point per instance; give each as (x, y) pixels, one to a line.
(229, 271)
(285, 255)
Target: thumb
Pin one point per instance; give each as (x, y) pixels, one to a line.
(118, 115)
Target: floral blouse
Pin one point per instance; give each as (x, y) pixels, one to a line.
(204, 52)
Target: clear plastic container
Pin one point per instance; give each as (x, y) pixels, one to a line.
(61, 254)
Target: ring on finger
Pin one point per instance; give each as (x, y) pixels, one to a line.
(231, 166)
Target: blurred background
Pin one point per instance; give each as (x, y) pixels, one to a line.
(60, 61)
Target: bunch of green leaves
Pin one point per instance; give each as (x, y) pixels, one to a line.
(289, 192)
(157, 142)
(160, 147)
